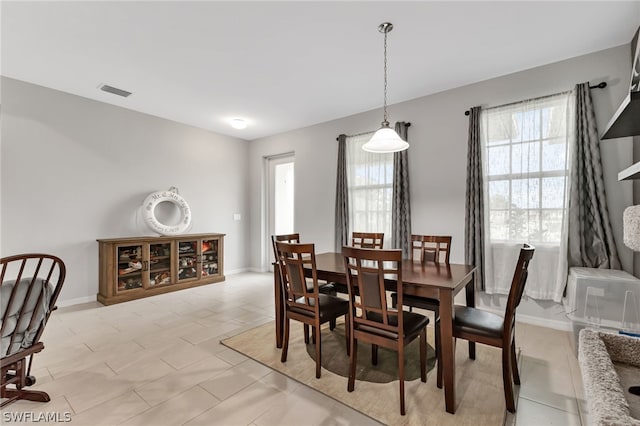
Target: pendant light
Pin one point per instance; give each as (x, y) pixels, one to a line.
(385, 139)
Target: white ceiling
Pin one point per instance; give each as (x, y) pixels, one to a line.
(286, 65)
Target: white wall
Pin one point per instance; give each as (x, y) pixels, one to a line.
(437, 157)
(74, 170)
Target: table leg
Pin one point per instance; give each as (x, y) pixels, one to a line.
(470, 291)
(277, 291)
(448, 349)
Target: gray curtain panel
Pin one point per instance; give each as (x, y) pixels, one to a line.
(590, 238)
(342, 197)
(474, 203)
(401, 208)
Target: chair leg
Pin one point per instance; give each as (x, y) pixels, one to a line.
(353, 358)
(374, 354)
(401, 377)
(514, 364)
(332, 324)
(318, 339)
(423, 355)
(347, 332)
(306, 334)
(285, 340)
(438, 353)
(506, 379)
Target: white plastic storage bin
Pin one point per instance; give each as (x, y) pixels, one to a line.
(604, 297)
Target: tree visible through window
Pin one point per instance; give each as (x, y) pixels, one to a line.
(370, 183)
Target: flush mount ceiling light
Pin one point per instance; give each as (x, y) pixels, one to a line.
(385, 139)
(238, 123)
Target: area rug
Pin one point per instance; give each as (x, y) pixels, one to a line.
(479, 394)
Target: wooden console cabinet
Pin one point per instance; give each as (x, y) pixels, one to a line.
(131, 268)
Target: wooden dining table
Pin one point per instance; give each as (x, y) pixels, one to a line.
(434, 280)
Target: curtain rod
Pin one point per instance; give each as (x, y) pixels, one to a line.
(597, 86)
(370, 131)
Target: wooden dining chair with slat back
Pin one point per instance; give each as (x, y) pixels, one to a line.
(484, 327)
(304, 302)
(325, 288)
(429, 248)
(30, 285)
(372, 240)
(372, 320)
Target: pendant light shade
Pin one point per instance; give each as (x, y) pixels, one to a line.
(385, 140)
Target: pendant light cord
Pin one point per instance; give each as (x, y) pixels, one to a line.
(385, 122)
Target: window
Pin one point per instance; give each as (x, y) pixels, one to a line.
(370, 183)
(526, 170)
(525, 154)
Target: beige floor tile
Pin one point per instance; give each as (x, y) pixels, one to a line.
(174, 383)
(242, 409)
(552, 386)
(231, 381)
(534, 414)
(315, 409)
(206, 333)
(145, 371)
(87, 361)
(57, 407)
(231, 356)
(213, 345)
(177, 410)
(281, 382)
(112, 412)
(98, 390)
(181, 355)
(73, 382)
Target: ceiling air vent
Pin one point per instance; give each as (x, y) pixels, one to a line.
(114, 90)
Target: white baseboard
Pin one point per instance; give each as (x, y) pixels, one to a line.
(255, 269)
(533, 320)
(76, 301)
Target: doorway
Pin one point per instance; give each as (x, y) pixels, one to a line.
(280, 179)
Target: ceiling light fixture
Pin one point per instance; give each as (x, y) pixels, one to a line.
(238, 123)
(385, 139)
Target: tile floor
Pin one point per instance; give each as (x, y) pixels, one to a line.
(158, 361)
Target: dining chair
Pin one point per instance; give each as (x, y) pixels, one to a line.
(372, 320)
(325, 288)
(430, 248)
(371, 240)
(305, 303)
(367, 239)
(491, 329)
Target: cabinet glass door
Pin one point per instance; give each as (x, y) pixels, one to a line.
(209, 258)
(159, 263)
(130, 267)
(187, 260)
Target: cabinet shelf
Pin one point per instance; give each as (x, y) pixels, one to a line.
(160, 265)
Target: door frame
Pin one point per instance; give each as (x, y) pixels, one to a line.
(269, 162)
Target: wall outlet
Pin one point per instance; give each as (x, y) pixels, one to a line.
(237, 217)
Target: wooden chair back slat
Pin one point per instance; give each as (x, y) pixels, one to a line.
(371, 240)
(434, 248)
(517, 286)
